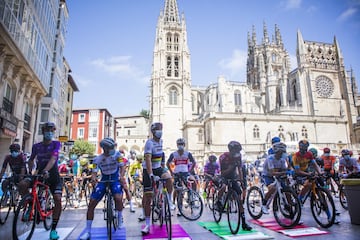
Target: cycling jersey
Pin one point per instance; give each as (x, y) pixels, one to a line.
(44, 152)
(302, 161)
(226, 162)
(109, 165)
(181, 161)
(349, 165)
(135, 167)
(212, 168)
(16, 164)
(271, 163)
(329, 162)
(155, 149)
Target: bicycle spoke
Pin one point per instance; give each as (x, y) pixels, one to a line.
(233, 212)
(24, 220)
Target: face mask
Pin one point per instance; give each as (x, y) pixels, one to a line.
(347, 157)
(180, 148)
(303, 151)
(158, 134)
(15, 154)
(111, 152)
(48, 135)
(326, 154)
(213, 163)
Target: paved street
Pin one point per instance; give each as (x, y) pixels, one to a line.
(75, 219)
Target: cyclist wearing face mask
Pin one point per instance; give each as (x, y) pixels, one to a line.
(348, 167)
(47, 155)
(16, 161)
(211, 168)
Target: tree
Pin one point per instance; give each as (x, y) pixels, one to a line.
(145, 113)
(82, 147)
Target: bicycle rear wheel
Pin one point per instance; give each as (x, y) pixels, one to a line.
(5, 206)
(287, 209)
(190, 204)
(109, 216)
(167, 215)
(254, 199)
(49, 207)
(342, 197)
(209, 197)
(233, 212)
(323, 208)
(217, 210)
(24, 220)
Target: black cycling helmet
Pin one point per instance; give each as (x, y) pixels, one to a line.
(14, 147)
(180, 141)
(212, 158)
(304, 143)
(345, 152)
(235, 148)
(279, 147)
(156, 126)
(48, 126)
(107, 143)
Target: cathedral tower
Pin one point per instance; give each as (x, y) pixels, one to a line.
(170, 86)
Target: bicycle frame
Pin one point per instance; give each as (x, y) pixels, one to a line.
(39, 187)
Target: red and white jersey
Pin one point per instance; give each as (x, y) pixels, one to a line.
(181, 161)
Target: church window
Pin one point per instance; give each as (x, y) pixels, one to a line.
(168, 37)
(200, 135)
(237, 98)
(256, 132)
(324, 86)
(304, 132)
(281, 128)
(176, 38)
(168, 66)
(173, 96)
(273, 57)
(176, 62)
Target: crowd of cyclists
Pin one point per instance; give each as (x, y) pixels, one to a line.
(132, 178)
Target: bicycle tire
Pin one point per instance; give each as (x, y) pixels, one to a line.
(323, 205)
(342, 197)
(5, 206)
(167, 216)
(217, 213)
(254, 199)
(161, 209)
(188, 201)
(209, 198)
(155, 211)
(49, 208)
(288, 215)
(24, 220)
(109, 216)
(138, 193)
(233, 206)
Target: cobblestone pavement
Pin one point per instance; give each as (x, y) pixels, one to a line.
(76, 219)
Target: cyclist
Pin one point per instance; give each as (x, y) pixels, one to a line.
(16, 161)
(132, 157)
(302, 160)
(85, 173)
(211, 168)
(274, 165)
(181, 159)
(46, 153)
(348, 167)
(231, 168)
(111, 167)
(273, 141)
(154, 166)
(124, 180)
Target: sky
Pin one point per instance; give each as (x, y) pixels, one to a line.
(110, 43)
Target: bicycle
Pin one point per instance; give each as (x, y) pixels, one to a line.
(188, 200)
(69, 196)
(33, 208)
(230, 203)
(85, 189)
(136, 189)
(9, 199)
(160, 207)
(321, 202)
(110, 215)
(209, 193)
(286, 205)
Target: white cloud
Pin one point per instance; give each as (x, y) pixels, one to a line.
(81, 81)
(291, 4)
(236, 64)
(347, 14)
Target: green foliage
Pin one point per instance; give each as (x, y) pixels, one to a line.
(145, 113)
(82, 147)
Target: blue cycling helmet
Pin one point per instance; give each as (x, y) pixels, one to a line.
(107, 143)
(275, 140)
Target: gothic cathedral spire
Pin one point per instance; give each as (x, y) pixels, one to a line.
(170, 85)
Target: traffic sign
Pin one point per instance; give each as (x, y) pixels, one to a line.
(63, 138)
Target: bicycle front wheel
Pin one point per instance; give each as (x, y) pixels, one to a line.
(233, 212)
(48, 211)
(24, 220)
(109, 216)
(167, 215)
(323, 208)
(287, 209)
(254, 199)
(190, 204)
(342, 197)
(217, 209)
(5, 206)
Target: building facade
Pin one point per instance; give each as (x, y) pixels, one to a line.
(132, 133)
(92, 125)
(32, 37)
(317, 100)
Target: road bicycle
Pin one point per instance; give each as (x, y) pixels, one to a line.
(210, 190)
(9, 199)
(160, 207)
(189, 202)
(285, 203)
(110, 216)
(136, 189)
(68, 197)
(85, 189)
(228, 202)
(33, 208)
(321, 202)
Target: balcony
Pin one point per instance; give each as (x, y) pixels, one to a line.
(8, 105)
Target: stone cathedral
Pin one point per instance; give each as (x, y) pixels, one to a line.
(316, 101)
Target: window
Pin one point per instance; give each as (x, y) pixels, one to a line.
(93, 131)
(27, 116)
(8, 100)
(81, 117)
(128, 132)
(237, 98)
(44, 115)
(168, 66)
(80, 133)
(173, 96)
(176, 62)
(256, 132)
(304, 132)
(200, 135)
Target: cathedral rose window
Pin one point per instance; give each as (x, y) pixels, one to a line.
(324, 86)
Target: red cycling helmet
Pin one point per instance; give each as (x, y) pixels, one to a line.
(326, 150)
